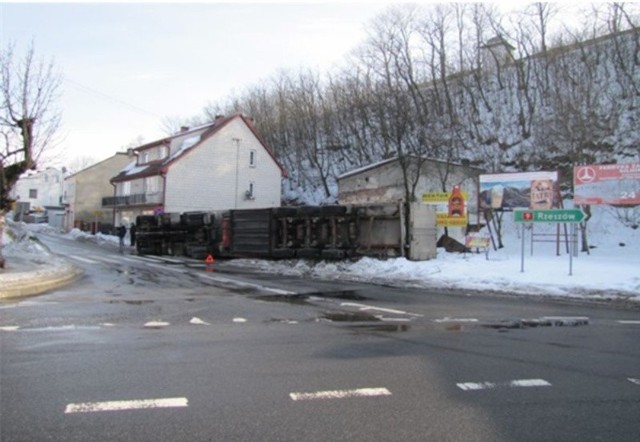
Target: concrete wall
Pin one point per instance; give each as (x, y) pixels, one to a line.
(385, 183)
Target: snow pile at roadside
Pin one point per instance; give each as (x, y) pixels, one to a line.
(611, 269)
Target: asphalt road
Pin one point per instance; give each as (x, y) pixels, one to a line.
(149, 349)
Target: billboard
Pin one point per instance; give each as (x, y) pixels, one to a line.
(446, 205)
(614, 184)
(522, 190)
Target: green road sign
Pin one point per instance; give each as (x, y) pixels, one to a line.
(549, 216)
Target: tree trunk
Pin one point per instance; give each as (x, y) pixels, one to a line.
(583, 229)
(2, 224)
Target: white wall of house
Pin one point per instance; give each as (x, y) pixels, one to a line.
(230, 170)
(40, 189)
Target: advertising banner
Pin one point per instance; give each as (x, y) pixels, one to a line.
(447, 206)
(614, 184)
(523, 190)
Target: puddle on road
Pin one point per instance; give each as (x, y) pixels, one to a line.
(303, 298)
(350, 317)
(288, 299)
(545, 321)
(130, 302)
(388, 328)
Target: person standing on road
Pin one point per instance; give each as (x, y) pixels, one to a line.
(122, 231)
(132, 234)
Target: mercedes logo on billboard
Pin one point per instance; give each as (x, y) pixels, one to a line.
(585, 174)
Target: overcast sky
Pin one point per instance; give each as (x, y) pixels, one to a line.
(127, 67)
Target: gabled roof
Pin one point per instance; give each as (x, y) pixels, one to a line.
(95, 165)
(153, 168)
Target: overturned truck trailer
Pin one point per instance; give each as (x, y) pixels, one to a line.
(317, 232)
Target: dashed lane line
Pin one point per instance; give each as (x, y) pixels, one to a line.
(82, 259)
(447, 319)
(340, 394)
(475, 386)
(171, 269)
(627, 322)
(634, 381)
(223, 280)
(364, 307)
(91, 407)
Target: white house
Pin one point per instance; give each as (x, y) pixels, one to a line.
(40, 192)
(218, 166)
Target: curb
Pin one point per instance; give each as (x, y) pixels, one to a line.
(30, 284)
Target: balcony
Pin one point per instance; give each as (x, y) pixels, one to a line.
(139, 199)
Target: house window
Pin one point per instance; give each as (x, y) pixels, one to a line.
(33, 193)
(151, 184)
(145, 157)
(126, 188)
(252, 157)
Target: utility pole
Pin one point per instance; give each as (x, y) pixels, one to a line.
(237, 140)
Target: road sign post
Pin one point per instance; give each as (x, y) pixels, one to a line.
(571, 216)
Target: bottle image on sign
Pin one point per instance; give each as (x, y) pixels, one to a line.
(541, 194)
(456, 202)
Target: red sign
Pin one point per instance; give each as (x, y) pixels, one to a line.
(614, 184)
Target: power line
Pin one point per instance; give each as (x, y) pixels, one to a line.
(108, 97)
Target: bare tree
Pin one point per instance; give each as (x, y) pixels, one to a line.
(29, 118)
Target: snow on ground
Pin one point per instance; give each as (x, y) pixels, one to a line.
(610, 271)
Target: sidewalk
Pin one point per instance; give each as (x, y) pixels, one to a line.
(31, 269)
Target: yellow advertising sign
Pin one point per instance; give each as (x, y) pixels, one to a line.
(441, 201)
(440, 197)
(444, 220)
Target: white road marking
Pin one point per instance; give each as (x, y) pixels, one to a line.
(9, 328)
(164, 267)
(171, 260)
(629, 322)
(89, 407)
(62, 328)
(112, 260)
(198, 321)
(156, 324)
(81, 259)
(239, 320)
(473, 386)
(382, 318)
(141, 258)
(245, 284)
(364, 307)
(448, 319)
(340, 394)
(634, 381)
